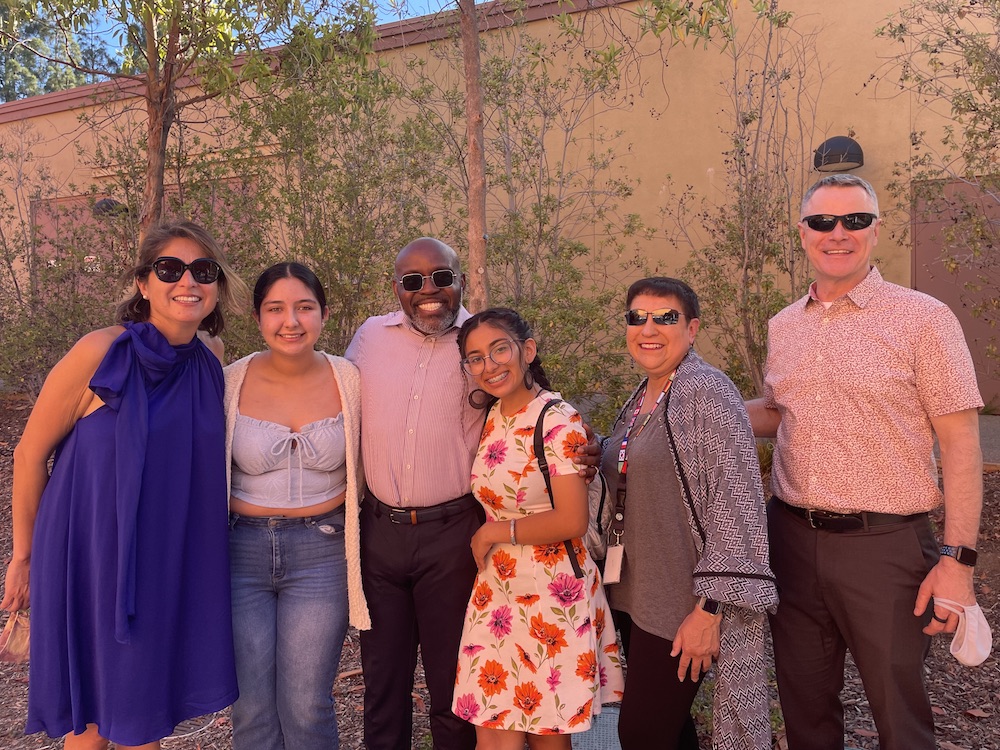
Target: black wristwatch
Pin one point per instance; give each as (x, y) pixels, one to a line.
(710, 605)
(965, 555)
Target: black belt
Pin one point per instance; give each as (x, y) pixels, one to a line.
(836, 522)
(410, 516)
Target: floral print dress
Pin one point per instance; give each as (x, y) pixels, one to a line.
(538, 650)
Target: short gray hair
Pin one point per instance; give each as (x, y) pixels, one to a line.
(842, 181)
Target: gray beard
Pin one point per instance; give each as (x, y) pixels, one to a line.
(439, 327)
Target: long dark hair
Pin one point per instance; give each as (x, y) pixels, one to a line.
(518, 329)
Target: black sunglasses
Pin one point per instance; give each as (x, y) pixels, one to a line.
(169, 270)
(662, 317)
(414, 282)
(851, 222)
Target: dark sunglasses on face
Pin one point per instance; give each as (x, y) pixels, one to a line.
(662, 317)
(169, 270)
(851, 222)
(414, 282)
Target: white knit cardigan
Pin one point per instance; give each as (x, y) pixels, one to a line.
(349, 383)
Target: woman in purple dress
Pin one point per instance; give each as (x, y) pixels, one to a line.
(126, 540)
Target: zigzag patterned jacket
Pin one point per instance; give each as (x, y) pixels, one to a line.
(717, 468)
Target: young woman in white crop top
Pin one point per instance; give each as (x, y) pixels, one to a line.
(292, 435)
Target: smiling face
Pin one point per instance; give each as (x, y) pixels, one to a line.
(290, 317)
(178, 308)
(658, 349)
(430, 309)
(841, 258)
(504, 381)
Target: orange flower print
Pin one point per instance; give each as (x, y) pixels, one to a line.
(482, 596)
(599, 623)
(527, 599)
(586, 666)
(552, 637)
(571, 442)
(504, 564)
(496, 720)
(581, 715)
(487, 429)
(492, 678)
(549, 554)
(525, 659)
(575, 418)
(525, 431)
(527, 698)
(550, 730)
(489, 498)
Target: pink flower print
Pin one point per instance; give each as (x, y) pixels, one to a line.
(583, 628)
(566, 589)
(551, 434)
(472, 649)
(520, 497)
(495, 453)
(553, 679)
(604, 675)
(500, 621)
(466, 707)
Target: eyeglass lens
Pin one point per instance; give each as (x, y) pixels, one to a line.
(203, 270)
(501, 354)
(663, 317)
(414, 282)
(851, 222)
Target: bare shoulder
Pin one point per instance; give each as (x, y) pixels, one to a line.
(214, 344)
(90, 350)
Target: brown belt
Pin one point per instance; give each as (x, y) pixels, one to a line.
(412, 516)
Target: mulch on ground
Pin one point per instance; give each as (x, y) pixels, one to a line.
(966, 701)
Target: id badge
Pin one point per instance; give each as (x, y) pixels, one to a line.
(613, 563)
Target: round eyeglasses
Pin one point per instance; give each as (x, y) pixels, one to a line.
(501, 354)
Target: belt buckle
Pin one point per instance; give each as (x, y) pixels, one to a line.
(395, 515)
(813, 520)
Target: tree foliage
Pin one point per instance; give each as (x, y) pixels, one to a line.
(746, 261)
(948, 57)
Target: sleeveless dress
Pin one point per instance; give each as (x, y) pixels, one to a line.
(538, 648)
(131, 624)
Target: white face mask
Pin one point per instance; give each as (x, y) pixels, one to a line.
(973, 639)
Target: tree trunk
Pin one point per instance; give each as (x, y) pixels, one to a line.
(475, 160)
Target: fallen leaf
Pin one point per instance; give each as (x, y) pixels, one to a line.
(951, 746)
(865, 733)
(938, 710)
(978, 713)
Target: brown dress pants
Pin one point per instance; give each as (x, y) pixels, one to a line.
(851, 590)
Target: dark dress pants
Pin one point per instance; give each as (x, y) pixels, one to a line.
(417, 580)
(851, 590)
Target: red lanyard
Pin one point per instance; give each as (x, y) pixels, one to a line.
(623, 451)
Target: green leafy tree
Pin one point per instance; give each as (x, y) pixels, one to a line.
(175, 54)
(25, 67)
(948, 56)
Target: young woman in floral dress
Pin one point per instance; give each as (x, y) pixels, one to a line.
(538, 655)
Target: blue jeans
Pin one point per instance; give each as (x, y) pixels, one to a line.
(289, 620)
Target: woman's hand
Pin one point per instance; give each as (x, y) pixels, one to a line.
(15, 589)
(697, 642)
(483, 541)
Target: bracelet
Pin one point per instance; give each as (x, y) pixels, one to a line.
(513, 536)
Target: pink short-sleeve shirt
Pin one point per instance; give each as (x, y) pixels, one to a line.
(856, 385)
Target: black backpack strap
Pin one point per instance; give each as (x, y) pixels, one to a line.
(543, 465)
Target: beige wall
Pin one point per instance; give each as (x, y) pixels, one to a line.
(684, 140)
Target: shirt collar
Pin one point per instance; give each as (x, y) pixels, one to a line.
(860, 295)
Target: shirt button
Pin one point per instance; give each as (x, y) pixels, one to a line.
(416, 396)
(819, 397)
(826, 321)
(422, 365)
(410, 430)
(407, 466)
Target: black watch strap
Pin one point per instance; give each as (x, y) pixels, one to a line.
(710, 605)
(965, 555)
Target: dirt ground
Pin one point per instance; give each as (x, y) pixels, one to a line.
(966, 701)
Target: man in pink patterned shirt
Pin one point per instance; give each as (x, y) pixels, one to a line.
(861, 375)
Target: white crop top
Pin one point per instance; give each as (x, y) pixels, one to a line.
(275, 467)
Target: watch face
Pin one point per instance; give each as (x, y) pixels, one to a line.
(711, 606)
(965, 555)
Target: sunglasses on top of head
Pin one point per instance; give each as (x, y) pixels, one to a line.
(851, 222)
(170, 270)
(414, 282)
(662, 317)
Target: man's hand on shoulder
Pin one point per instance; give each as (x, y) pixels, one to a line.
(588, 457)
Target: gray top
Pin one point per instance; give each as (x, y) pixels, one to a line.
(656, 587)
